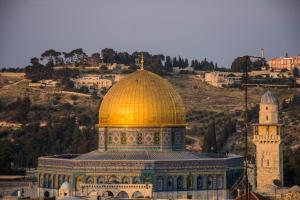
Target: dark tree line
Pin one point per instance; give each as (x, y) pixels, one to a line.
(240, 63)
(213, 143)
(42, 68)
(33, 141)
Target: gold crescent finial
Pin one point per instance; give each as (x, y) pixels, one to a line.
(142, 62)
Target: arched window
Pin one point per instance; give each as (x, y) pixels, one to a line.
(267, 117)
(101, 180)
(170, 183)
(156, 138)
(90, 180)
(266, 107)
(123, 138)
(125, 180)
(136, 180)
(200, 183)
(179, 183)
(139, 138)
(122, 195)
(160, 183)
(220, 182)
(190, 182)
(113, 180)
(209, 182)
(148, 179)
(79, 181)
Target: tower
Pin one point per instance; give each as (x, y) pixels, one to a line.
(267, 139)
(262, 53)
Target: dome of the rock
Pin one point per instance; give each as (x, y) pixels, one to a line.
(142, 99)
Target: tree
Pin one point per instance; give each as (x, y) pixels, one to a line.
(210, 140)
(168, 63)
(296, 72)
(51, 56)
(240, 63)
(108, 55)
(24, 109)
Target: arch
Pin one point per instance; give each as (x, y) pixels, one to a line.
(125, 180)
(100, 180)
(54, 186)
(209, 182)
(148, 179)
(59, 180)
(200, 183)
(108, 194)
(137, 194)
(79, 181)
(90, 180)
(123, 195)
(113, 180)
(41, 177)
(136, 180)
(160, 183)
(45, 181)
(170, 183)
(220, 180)
(179, 183)
(190, 182)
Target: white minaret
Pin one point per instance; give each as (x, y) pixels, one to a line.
(262, 53)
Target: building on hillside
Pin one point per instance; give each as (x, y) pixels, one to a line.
(10, 125)
(44, 83)
(96, 81)
(267, 139)
(281, 63)
(221, 79)
(141, 151)
(114, 66)
(177, 70)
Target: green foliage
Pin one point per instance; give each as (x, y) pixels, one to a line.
(240, 63)
(203, 65)
(210, 140)
(296, 72)
(291, 160)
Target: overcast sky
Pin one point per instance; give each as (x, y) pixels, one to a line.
(219, 30)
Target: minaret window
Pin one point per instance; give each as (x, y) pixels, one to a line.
(267, 117)
(266, 107)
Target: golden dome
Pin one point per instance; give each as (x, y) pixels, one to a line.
(142, 99)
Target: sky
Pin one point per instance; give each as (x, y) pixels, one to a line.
(219, 30)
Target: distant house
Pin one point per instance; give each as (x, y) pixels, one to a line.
(44, 83)
(177, 70)
(11, 125)
(280, 63)
(221, 79)
(97, 82)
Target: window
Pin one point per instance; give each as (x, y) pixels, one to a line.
(199, 183)
(179, 183)
(266, 107)
(190, 183)
(156, 138)
(123, 138)
(170, 183)
(267, 117)
(139, 138)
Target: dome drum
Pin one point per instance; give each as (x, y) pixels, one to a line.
(141, 139)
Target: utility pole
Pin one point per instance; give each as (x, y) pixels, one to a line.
(246, 128)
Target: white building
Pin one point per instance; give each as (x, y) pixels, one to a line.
(219, 79)
(97, 82)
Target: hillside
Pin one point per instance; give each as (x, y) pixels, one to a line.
(204, 104)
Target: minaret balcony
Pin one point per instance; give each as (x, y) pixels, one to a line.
(266, 138)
